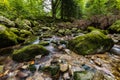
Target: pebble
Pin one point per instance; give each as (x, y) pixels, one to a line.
(21, 74)
(67, 51)
(66, 76)
(63, 67)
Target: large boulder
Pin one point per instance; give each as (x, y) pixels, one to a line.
(115, 27)
(28, 52)
(7, 37)
(90, 43)
(6, 22)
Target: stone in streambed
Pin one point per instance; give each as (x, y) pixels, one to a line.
(28, 52)
(91, 43)
(83, 75)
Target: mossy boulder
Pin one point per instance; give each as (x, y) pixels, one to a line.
(61, 31)
(23, 24)
(14, 30)
(7, 37)
(115, 27)
(30, 40)
(74, 30)
(44, 43)
(91, 28)
(53, 70)
(25, 33)
(45, 28)
(90, 43)
(29, 52)
(68, 32)
(46, 35)
(7, 22)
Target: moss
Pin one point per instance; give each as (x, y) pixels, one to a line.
(30, 40)
(93, 42)
(45, 28)
(44, 43)
(25, 33)
(46, 35)
(74, 30)
(61, 31)
(115, 27)
(91, 28)
(15, 30)
(23, 24)
(68, 32)
(53, 70)
(28, 52)
(7, 37)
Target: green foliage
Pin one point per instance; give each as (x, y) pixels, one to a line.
(21, 8)
(115, 27)
(65, 9)
(96, 7)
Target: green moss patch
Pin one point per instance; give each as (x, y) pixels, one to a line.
(28, 52)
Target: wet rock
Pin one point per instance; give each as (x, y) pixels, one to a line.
(25, 33)
(63, 67)
(115, 50)
(7, 37)
(44, 43)
(53, 70)
(6, 22)
(68, 32)
(30, 40)
(66, 76)
(98, 62)
(15, 30)
(37, 58)
(61, 47)
(74, 30)
(21, 74)
(91, 43)
(46, 35)
(83, 75)
(72, 69)
(23, 24)
(67, 51)
(55, 60)
(61, 31)
(28, 52)
(45, 28)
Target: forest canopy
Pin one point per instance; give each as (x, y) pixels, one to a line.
(64, 9)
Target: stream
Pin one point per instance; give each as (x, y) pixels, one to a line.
(97, 67)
